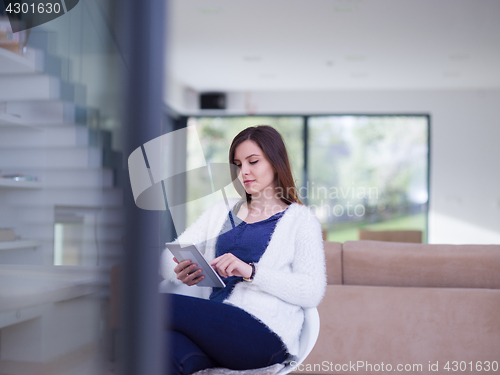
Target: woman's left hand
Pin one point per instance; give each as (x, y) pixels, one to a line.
(229, 265)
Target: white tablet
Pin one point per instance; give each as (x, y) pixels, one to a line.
(190, 252)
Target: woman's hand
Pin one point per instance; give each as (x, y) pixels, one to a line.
(186, 272)
(229, 265)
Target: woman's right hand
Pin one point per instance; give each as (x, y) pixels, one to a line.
(186, 272)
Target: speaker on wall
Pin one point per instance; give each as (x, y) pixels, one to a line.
(212, 100)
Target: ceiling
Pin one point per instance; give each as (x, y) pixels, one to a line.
(238, 45)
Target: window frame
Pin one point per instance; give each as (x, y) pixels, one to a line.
(182, 120)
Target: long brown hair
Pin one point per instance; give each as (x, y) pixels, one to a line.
(271, 143)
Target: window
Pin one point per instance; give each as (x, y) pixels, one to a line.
(368, 172)
(363, 172)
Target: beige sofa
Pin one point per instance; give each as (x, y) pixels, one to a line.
(410, 308)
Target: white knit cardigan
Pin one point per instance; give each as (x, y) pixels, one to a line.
(290, 275)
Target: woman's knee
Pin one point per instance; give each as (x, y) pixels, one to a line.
(186, 356)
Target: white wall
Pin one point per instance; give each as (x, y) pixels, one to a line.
(465, 147)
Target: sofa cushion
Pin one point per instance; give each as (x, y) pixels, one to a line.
(405, 326)
(421, 265)
(333, 258)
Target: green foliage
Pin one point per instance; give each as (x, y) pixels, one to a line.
(386, 156)
(375, 163)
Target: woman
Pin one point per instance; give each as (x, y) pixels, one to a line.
(267, 248)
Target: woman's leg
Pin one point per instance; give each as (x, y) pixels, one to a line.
(185, 356)
(226, 334)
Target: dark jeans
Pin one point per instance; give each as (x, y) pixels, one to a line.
(204, 334)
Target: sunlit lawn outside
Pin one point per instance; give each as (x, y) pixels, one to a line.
(349, 231)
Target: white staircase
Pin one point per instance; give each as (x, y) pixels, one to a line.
(54, 320)
(44, 133)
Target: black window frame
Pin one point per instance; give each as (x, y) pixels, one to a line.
(181, 121)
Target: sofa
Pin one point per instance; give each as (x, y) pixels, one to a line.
(414, 308)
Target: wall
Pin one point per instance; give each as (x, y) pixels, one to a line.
(465, 151)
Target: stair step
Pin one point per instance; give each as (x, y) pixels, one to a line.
(111, 197)
(70, 135)
(46, 214)
(47, 113)
(26, 214)
(76, 157)
(29, 87)
(85, 178)
(24, 257)
(40, 87)
(12, 63)
(105, 233)
(40, 112)
(44, 255)
(64, 178)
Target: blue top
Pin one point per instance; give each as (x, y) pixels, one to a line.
(247, 241)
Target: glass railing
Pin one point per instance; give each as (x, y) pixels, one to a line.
(61, 205)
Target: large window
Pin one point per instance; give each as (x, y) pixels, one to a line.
(355, 172)
(368, 172)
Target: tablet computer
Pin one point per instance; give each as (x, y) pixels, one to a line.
(183, 252)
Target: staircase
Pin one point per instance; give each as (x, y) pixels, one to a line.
(47, 131)
(55, 320)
